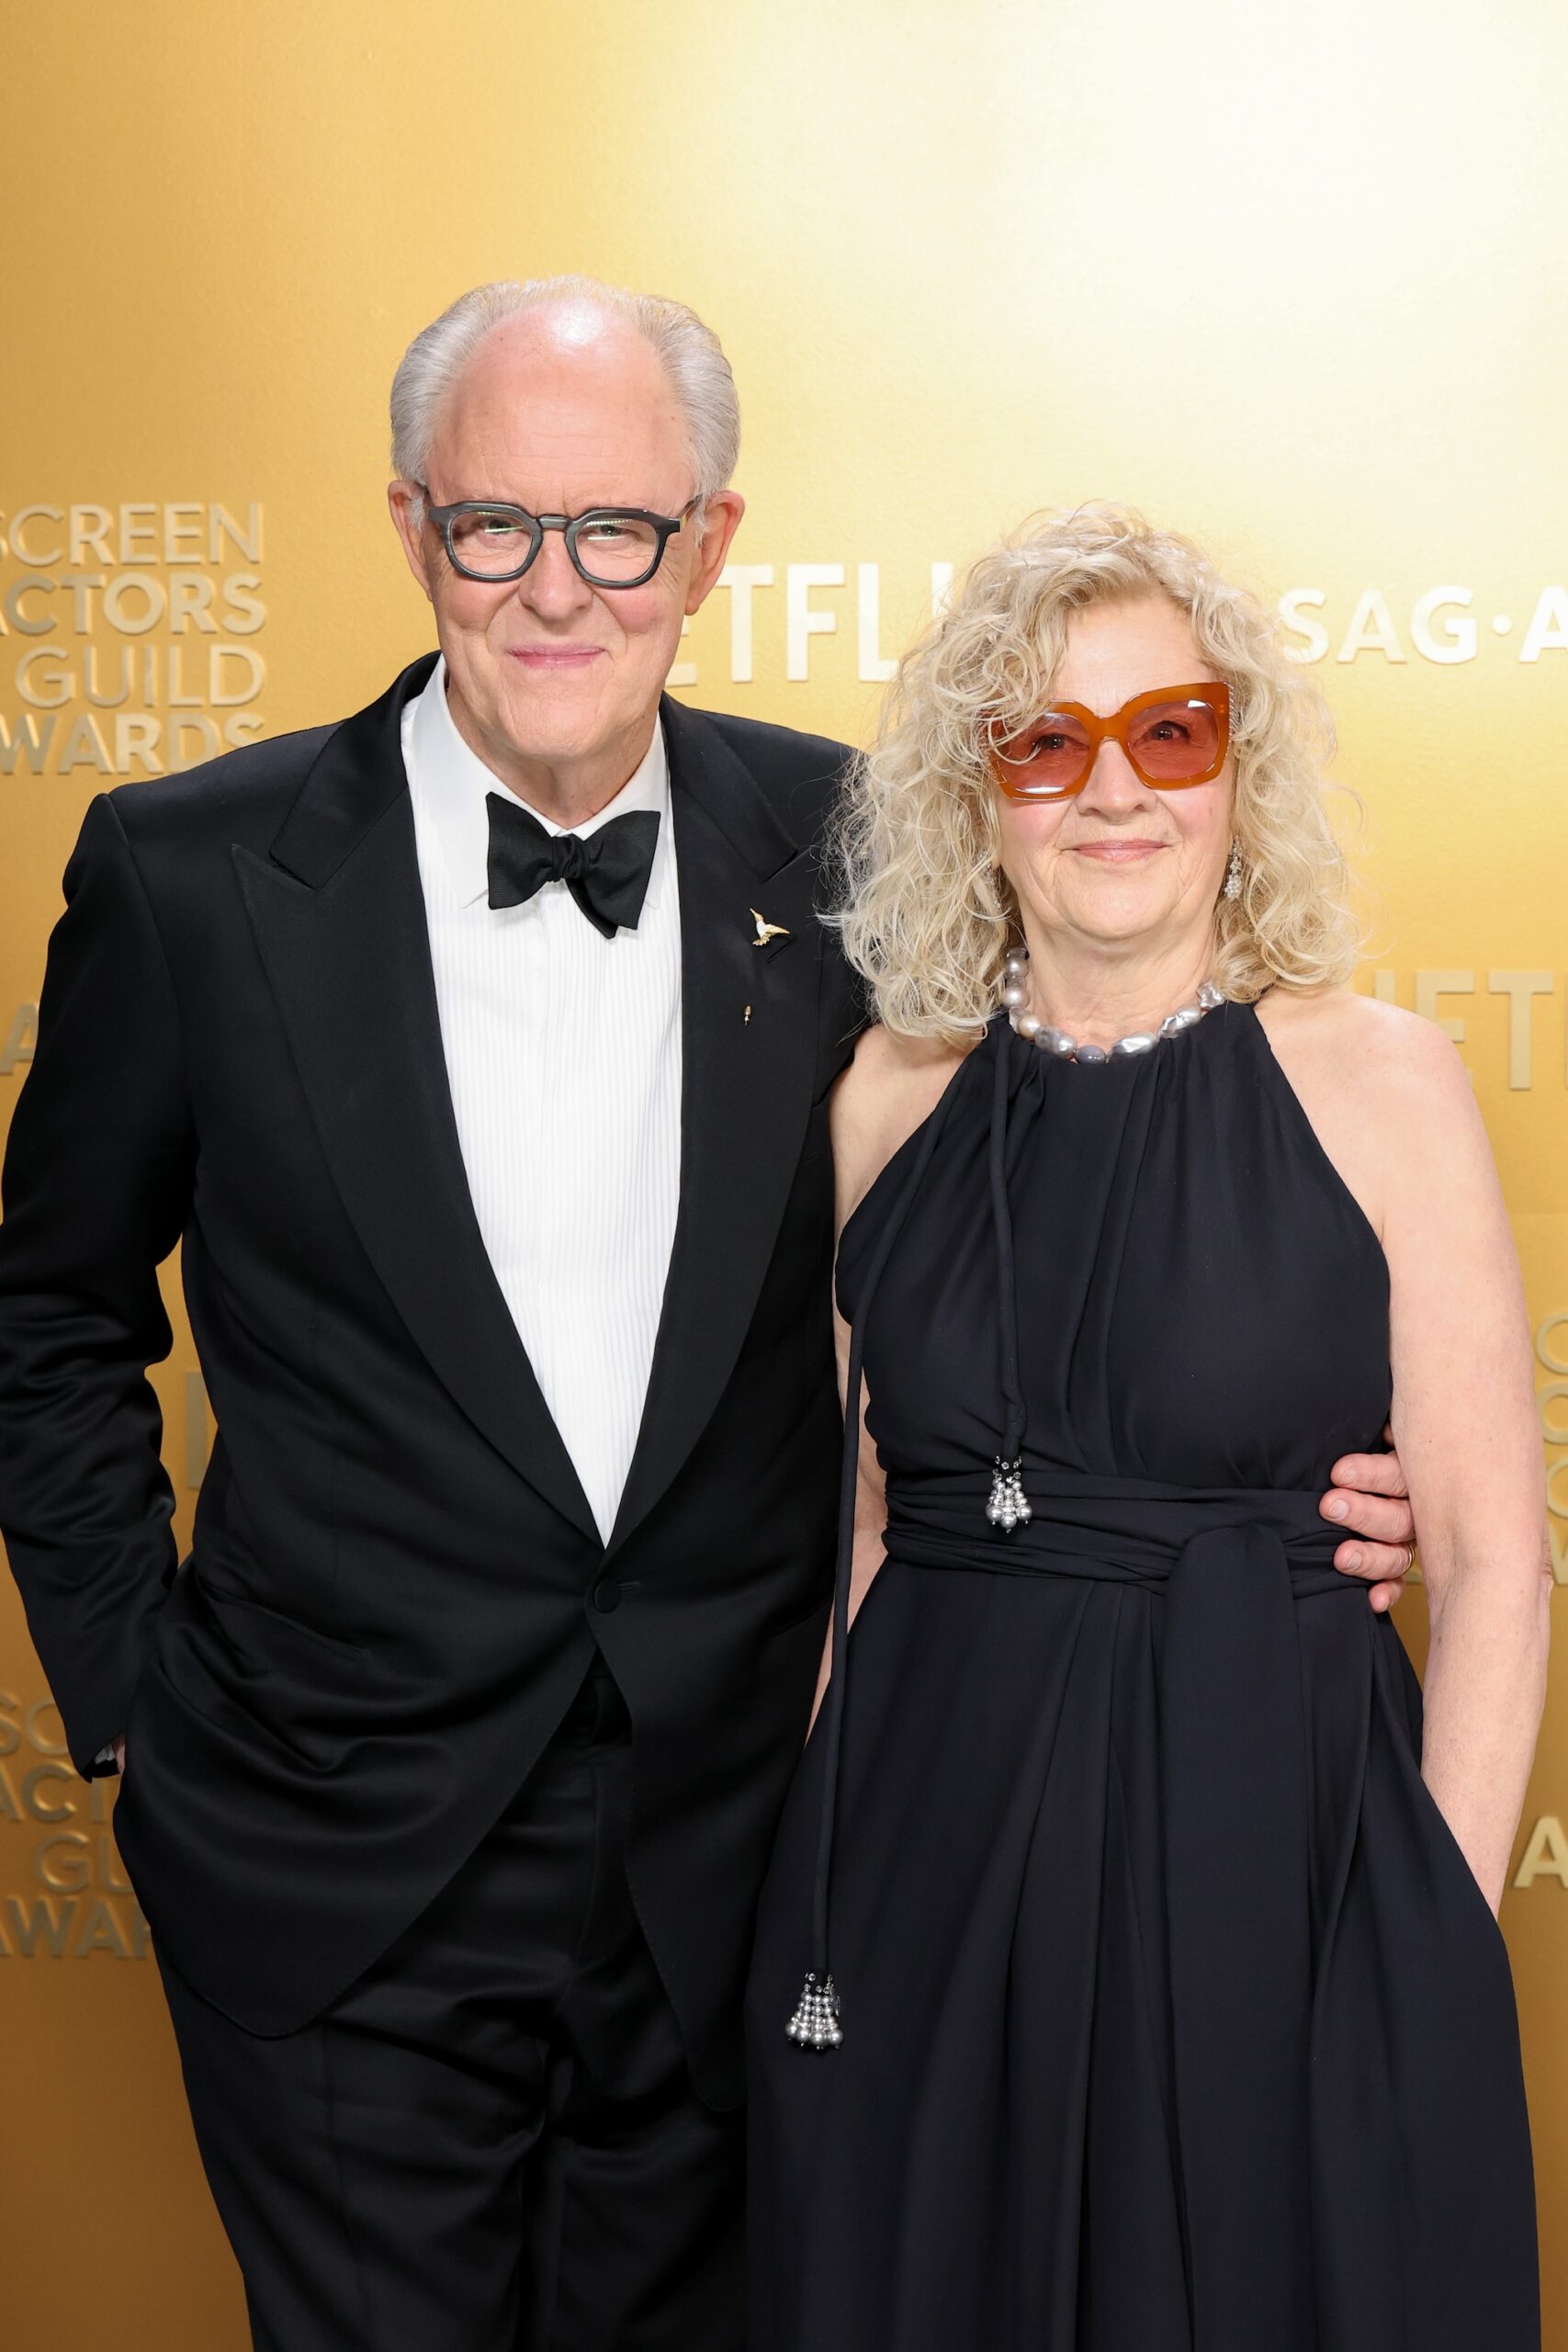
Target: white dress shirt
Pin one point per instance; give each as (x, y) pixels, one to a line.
(563, 1054)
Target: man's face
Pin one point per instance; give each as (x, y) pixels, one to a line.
(560, 409)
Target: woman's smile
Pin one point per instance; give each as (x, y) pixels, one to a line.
(1117, 852)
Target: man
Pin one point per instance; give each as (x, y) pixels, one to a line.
(478, 1049)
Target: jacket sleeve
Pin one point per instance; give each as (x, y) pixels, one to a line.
(97, 1184)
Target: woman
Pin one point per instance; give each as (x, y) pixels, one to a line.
(1156, 2002)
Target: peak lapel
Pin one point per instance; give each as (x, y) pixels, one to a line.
(746, 1083)
(339, 919)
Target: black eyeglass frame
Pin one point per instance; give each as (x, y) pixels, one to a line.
(568, 526)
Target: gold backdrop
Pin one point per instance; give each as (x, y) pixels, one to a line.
(1288, 279)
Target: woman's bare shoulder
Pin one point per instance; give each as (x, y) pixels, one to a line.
(892, 1085)
(1384, 1090)
(1362, 1042)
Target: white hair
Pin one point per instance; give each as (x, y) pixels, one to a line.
(689, 352)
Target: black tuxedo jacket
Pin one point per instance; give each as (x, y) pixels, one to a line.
(396, 1583)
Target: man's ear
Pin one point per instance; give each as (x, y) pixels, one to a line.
(402, 498)
(721, 520)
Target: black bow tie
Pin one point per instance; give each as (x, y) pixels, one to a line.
(607, 873)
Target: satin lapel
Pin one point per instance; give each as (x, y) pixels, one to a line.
(745, 1084)
(339, 919)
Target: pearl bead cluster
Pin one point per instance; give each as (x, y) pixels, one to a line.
(1015, 997)
(815, 2024)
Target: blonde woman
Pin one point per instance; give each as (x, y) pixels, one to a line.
(1156, 2000)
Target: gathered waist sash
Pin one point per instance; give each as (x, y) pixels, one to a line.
(1123, 1531)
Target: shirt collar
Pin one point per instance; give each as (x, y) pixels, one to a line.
(451, 781)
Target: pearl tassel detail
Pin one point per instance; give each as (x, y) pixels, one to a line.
(1009, 1506)
(815, 2024)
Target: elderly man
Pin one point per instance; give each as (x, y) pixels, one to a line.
(478, 1050)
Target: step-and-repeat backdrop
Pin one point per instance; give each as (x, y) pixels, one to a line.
(1289, 281)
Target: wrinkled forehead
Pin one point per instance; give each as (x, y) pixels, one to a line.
(1126, 647)
(560, 411)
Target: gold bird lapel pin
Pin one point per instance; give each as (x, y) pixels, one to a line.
(766, 929)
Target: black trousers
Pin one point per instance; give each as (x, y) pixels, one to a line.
(491, 2143)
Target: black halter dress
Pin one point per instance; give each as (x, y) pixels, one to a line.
(1173, 2019)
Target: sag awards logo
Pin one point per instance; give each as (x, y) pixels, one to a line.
(74, 1899)
(1544, 1852)
(1441, 627)
(127, 636)
(63, 1892)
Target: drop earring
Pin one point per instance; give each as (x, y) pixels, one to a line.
(1233, 873)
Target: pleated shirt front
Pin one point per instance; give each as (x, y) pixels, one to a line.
(563, 1053)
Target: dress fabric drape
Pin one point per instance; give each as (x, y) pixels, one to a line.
(1174, 2018)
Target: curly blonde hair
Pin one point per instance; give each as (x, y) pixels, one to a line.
(929, 914)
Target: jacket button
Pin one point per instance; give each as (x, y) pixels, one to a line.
(607, 1596)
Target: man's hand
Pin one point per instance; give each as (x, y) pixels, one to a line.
(1369, 1499)
(118, 1745)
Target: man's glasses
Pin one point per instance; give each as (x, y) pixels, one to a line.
(1173, 737)
(610, 547)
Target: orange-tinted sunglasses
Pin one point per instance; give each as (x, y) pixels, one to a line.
(1172, 737)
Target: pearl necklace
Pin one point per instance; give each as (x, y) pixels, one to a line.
(1029, 1027)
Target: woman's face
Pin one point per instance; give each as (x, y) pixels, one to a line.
(1120, 862)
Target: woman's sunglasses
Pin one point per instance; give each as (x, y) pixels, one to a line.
(1173, 737)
